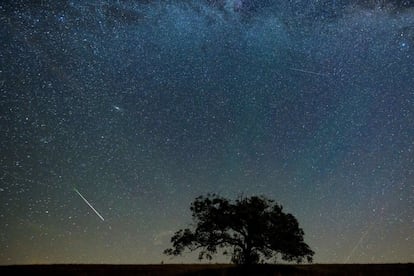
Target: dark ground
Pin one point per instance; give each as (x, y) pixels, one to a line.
(219, 270)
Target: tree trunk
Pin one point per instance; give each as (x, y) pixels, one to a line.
(247, 254)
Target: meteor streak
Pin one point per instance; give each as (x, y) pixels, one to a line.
(84, 199)
(358, 243)
(308, 72)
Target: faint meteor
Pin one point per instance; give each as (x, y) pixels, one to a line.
(308, 72)
(358, 243)
(86, 201)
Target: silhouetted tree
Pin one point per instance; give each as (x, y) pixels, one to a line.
(251, 229)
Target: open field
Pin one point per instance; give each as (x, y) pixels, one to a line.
(216, 269)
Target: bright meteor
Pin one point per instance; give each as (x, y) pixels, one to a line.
(87, 202)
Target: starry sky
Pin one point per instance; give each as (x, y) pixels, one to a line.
(144, 105)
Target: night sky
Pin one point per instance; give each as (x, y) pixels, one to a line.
(144, 105)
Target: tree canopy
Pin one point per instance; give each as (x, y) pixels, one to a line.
(252, 229)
